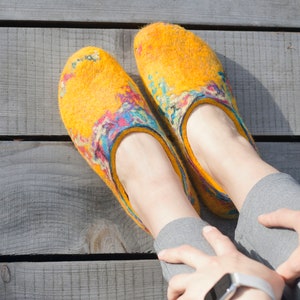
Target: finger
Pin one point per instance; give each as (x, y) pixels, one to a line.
(283, 217)
(177, 286)
(219, 242)
(184, 254)
(290, 269)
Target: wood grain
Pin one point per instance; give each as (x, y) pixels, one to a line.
(263, 68)
(94, 280)
(52, 202)
(264, 13)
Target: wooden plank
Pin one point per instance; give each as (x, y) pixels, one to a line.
(93, 280)
(283, 156)
(206, 12)
(52, 202)
(263, 68)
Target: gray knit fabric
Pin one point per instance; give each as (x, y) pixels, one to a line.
(270, 246)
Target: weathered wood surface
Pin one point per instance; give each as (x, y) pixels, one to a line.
(263, 67)
(52, 202)
(91, 280)
(264, 13)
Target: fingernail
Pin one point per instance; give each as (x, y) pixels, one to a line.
(208, 228)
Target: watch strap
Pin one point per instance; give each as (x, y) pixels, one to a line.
(253, 282)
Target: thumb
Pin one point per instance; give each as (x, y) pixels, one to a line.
(285, 218)
(290, 269)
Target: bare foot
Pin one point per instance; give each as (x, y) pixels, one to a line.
(223, 153)
(153, 187)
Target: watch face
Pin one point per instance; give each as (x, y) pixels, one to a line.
(220, 289)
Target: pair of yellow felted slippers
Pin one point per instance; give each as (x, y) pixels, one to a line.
(100, 104)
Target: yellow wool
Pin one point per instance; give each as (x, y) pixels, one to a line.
(188, 63)
(91, 90)
(94, 81)
(174, 65)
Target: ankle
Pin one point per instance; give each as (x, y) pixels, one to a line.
(224, 154)
(153, 187)
(212, 136)
(141, 162)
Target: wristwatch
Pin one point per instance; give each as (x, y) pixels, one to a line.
(227, 286)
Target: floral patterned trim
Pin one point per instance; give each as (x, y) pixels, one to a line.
(97, 149)
(175, 107)
(109, 126)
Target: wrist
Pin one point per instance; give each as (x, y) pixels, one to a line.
(244, 293)
(231, 285)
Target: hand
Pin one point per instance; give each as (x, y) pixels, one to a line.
(209, 269)
(286, 218)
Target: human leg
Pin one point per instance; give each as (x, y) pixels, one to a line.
(254, 186)
(152, 185)
(157, 196)
(226, 155)
(115, 131)
(189, 88)
(179, 78)
(272, 246)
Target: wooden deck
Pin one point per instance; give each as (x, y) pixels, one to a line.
(62, 234)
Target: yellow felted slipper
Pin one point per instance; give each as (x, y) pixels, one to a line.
(99, 105)
(180, 71)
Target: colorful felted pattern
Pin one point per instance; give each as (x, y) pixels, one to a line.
(180, 71)
(99, 105)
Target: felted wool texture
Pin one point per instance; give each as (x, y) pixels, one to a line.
(180, 71)
(99, 105)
